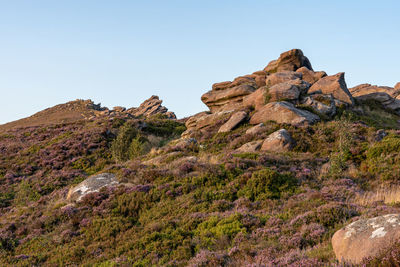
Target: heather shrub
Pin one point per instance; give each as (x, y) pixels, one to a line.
(215, 228)
(383, 158)
(267, 183)
(121, 145)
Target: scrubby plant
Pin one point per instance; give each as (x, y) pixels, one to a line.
(267, 183)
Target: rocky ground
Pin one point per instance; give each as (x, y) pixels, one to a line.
(289, 167)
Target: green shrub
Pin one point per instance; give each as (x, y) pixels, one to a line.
(120, 146)
(267, 183)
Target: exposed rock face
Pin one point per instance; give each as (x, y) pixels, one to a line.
(324, 104)
(257, 99)
(365, 238)
(283, 112)
(290, 60)
(397, 86)
(334, 85)
(311, 76)
(233, 121)
(279, 141)
(227, 99)
(283, 91)
(256, 129)
(250, 147)
(204, 120)
(281, 77)
(90, 185)
(151, 106)
(383, 94)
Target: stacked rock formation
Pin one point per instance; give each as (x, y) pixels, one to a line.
(284, 91)
(151, 106)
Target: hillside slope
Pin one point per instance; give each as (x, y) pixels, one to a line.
(284, 158)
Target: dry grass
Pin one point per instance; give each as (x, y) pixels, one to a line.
(388, 195)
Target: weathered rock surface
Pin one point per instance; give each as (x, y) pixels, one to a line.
(283, 112)
(290, 60)
(311, 76)
(397, 86)
(324, 104)
(203, 120)
(257, 99)
(233, 121)
(334, 85)
(281, 77)
(279, 141)
(365, 238)
(256, 129)
(250, 147)
(151, 106)
(90, 185)
(227, 99)
(283, 91)
(383, 94)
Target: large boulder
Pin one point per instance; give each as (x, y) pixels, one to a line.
(257, 99)
(283, 112)
(281, 77)
(226, 99)
(203, 121)
(250, 147)
(233, 121)
(279, 141)
(259, 128)
(365, 238)
(290, 60)
(397, 86)
(334, 85)
(311, 76)
(283, 91)
(91, 185)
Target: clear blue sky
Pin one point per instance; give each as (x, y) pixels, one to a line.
(122, 52)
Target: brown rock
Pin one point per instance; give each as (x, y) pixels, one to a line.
(283, 91)
(250, 147)
(397, 86)
(334, 85)
(283, 112)
(311, 76)
(256, 129)
(279, 141)
(234, 121)
(290, 60)
(365, 238)
(257, 99)
(324, 104)
(383, 94)
(221, 85)
(151, 106)
(119, 109)
(281, 77)
(228, 99)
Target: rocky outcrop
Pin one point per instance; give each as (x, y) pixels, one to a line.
(233, 121)
(91, 185)
(383, 94)
(311, 76)
(151, 106)
(279, 141)
(290, 60)
(204, 120)
(365, 238)
(283, 112)
(334, 85)
(228, 98)
(256, 99)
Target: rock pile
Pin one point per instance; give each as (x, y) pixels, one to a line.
(288, 91)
